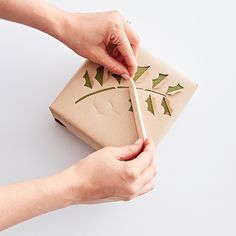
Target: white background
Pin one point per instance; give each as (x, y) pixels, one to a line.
(195, 192)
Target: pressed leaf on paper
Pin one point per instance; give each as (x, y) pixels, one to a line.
(117, 77)
(139, 72)
(99, 75)
(87, 80)
(158, 80)
(131, 107)
(149, 104)
(166, 105)
(174, 89)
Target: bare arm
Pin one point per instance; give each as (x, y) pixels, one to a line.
(22, 201)
(33, 13)
(110, 174)
(113, 44)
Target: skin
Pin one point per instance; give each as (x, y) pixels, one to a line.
(110, 174)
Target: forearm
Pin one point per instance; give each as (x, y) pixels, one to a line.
(34, 13)
(22, 201)
(113, 44)
(110, 174)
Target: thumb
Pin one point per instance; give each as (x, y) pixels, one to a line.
(113, 65)
(129, 152)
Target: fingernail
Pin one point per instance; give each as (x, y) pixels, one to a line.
(138, 141)
(125, 76)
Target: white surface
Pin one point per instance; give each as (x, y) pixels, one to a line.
(195, 193)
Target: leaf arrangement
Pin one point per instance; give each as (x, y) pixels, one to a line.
(172, 90)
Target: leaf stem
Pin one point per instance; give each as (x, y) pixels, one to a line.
(89, 94)
(149, 90)
(118, 87)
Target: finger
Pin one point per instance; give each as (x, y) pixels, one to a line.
(125, 49)
(148, 174)
(127, 52)
(133, 37)
(135, 49)
(111, 64)
(120, 58)
(115, 52)
(129, 152)
(144, 159)
(146, 188)
(110, 49)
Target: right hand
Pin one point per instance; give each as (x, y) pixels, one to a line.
(112, 174)
(104, 38)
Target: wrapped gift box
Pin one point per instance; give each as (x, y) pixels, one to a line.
(95, 105)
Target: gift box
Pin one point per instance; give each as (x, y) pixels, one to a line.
(95, 105)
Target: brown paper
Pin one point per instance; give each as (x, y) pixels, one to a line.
(105, 118)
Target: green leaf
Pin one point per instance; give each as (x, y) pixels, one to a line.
(158, 80)
(99, 75)
(139, 72)
(149, 104)
(174, 89)
(166, 105)
(87, 80)
(131, 108)
(117, 77)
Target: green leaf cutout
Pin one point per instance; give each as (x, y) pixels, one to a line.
(139, 72)
(99, 75)
(158, 80)
(117, 77)
(131, 107)
(87, 80)
(149, 104)
(166, 105)
(174, 89)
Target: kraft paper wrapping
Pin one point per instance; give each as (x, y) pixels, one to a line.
(95, 105)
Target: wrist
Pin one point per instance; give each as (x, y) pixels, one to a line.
(72, 31)
(57, 190)
(72, 186)
(57, 24)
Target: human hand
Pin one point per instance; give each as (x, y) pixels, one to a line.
(104, 38)
(112, 174)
